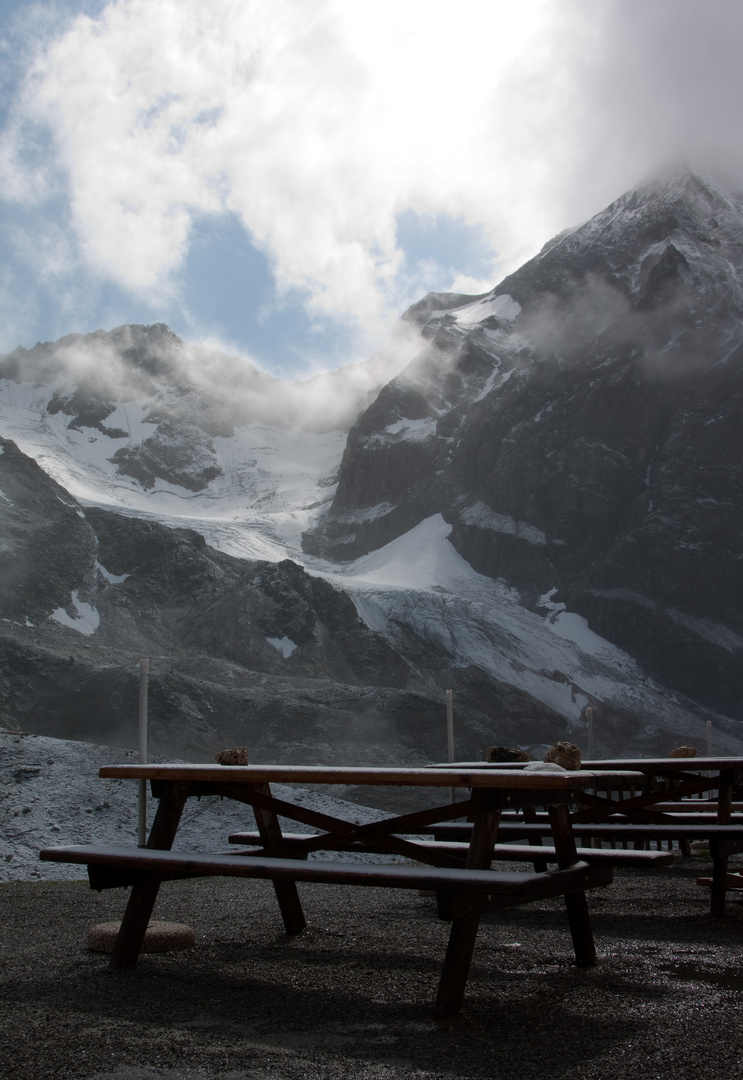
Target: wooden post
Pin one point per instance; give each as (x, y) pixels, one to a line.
(589, 718)
(142, 802)
(450, 735)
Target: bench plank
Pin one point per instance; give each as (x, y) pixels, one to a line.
(504, 852)
(620, 830)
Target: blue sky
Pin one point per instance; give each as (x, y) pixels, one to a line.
(283, 179)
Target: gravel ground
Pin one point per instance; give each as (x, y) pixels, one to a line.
(351, 998)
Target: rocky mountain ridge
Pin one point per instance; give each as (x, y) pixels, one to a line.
(581, 433)
(541, 510)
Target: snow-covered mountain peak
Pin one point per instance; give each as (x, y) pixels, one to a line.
(635, 243)
(533, 496)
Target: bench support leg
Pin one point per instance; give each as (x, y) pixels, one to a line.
(719, 881)
(720, 861)
(575, 903)
(530, 817)
(143, 895)
(287, 896)
(134, 925)
(463, 933)
(457, 962)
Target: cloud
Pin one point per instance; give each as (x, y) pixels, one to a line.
(317, 125)
(313, 124)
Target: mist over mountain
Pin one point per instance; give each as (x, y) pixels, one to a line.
(533, 496)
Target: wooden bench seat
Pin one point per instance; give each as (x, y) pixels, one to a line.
(501, 852)
(111, 867)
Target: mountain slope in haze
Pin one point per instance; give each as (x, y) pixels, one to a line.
(541, 511)
(241, 651)
(580, 429)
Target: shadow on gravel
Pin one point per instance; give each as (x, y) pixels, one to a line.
(351, 998)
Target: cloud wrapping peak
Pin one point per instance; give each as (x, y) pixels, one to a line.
(316, 125)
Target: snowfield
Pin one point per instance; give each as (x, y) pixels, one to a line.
(421, 581)
(275, 484)
(272, 484)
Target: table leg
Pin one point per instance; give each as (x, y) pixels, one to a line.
(719, 861)
(143, 895)
(287, 896)
(530, 816)
(575, 903)
(463, 933)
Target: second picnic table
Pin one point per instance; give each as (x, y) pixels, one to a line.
(664, 806)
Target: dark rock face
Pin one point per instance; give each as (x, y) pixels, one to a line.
(591, 444)
(37, 516)
(181, 454)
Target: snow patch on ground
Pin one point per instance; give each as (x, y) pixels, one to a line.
(85, 621)
(413, 430)
(112, 579)
(715, 633)
(283, 645)
(502, 307)
(494, 379)
(50, 793)
(481, 516)
(364, 513)
(420, 559)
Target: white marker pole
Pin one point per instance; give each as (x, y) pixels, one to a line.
(142, 808)
(589, 718)
(450, 732)
(709, 738)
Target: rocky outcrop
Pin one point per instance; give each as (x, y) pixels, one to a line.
(47, 547)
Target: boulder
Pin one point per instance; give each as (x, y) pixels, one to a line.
(565, 754)
(159, 937)
(238, 755)
(505, 753)
(684, 751)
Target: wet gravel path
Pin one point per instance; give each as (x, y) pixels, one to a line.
(351, 997)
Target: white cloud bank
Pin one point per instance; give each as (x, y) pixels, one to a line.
(315, 124)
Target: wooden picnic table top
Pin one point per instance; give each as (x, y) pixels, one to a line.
(468, 776)
(643, 765)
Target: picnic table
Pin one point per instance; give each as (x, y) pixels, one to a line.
(459, 874)
(679, 800)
